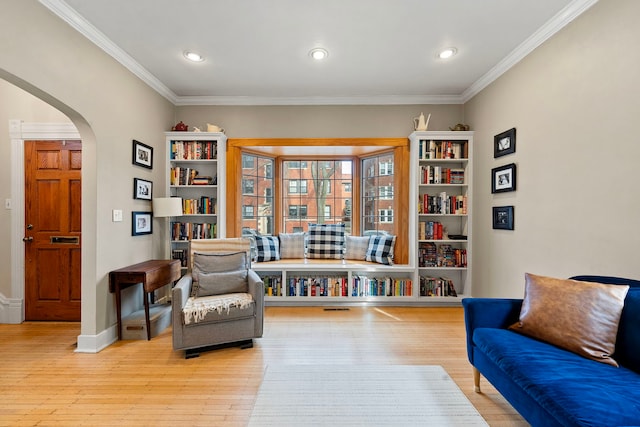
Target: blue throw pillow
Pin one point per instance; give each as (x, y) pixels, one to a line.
(381, 249)
(325, 241)
(267, 248)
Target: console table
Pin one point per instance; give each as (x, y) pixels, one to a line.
(153, 275)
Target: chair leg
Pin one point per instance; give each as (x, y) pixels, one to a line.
(191, 353)
(476, 379)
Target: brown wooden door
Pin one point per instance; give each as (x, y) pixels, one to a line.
(52, 230)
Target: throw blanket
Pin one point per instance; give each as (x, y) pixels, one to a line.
(196, 309)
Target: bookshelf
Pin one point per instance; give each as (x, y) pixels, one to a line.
(196, 173)
(442, 164)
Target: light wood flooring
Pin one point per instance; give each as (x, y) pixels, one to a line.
(44, 382)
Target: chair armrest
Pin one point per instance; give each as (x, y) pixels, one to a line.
(180, 292)
(256, 287)
(488, 313)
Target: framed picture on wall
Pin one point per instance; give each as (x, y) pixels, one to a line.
(142, 189)
(503, 217)
(504, 143)
(503, 178)
(142, 154)
(141, 223)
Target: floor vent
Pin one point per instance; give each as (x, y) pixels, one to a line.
(337, 309)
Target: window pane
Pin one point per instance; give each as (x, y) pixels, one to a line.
(377, 194)
(257, 194)
(316, 192)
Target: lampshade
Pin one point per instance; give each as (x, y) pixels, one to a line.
(167, 206)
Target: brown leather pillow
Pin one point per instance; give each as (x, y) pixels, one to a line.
(581, 317)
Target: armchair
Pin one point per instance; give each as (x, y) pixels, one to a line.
(220, 300)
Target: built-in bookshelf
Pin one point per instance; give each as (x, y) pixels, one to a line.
(196, 173)
(443, 194)
(330, 284)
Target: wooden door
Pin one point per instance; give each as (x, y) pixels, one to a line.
(52, 230)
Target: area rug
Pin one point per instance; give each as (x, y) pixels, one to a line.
(350, 395)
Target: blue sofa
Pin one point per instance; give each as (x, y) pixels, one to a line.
(550, 386)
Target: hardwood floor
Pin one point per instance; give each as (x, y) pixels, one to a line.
(146, 383)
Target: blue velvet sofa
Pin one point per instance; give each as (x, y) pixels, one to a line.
(550, 386)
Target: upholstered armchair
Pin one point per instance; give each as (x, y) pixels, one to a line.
(220, 300)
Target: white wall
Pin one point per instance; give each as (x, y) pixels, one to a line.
(575, 104)
(110, 107)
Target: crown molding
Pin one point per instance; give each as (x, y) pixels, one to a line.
(555, 24)
(319, 100)
(84, 27)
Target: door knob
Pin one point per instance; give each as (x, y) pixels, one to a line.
(27, 239)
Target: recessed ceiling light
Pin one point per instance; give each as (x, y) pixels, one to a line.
(447, 53)
(192, 56)
(318, 53)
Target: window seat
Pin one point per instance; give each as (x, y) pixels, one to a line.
(312, 264)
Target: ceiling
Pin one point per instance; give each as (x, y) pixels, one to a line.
(257, 51)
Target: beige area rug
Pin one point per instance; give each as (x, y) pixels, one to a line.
(345, 395)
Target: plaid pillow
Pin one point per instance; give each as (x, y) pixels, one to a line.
(268, 248)
(325, 241)
(292, 245)
(381, 249)
(356, 247)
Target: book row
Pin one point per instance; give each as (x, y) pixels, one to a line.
(437, 287)
(442, 203)
(337, 286)
(194, 150)
(190, 176)
(202, 206)
(180, 254)
(430, 174)
(441, 255)
(434, 149)
(192, 230)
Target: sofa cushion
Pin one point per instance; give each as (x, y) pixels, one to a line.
(267, 248)
(573, 389)
(326, 241)
(380, 249)
(224, 282)
(579, 316)
(291, 245)
(628, 340)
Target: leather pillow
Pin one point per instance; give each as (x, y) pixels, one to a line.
(226, 282)
(581, 317)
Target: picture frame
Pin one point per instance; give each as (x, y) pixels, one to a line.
(503, 217)
(141, 223)
(503, 178)
(142, 155)
(142, 189)
(504, 143)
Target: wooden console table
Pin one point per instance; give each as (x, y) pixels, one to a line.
(153, 275)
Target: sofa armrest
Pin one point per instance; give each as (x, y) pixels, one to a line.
(488, 313)
(179, 296)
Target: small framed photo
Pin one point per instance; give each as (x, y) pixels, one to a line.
(504, 143)
(142, 154)
(503, 178)
(503, 217)
(142, 189)
(141, 223)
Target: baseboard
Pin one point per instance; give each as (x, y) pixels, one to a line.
(11, 310)
(95, 343)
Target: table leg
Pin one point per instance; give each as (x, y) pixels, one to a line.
(146, 314)
(119, 311)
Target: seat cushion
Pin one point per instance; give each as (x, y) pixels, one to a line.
(572, 388)
(218, 308)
